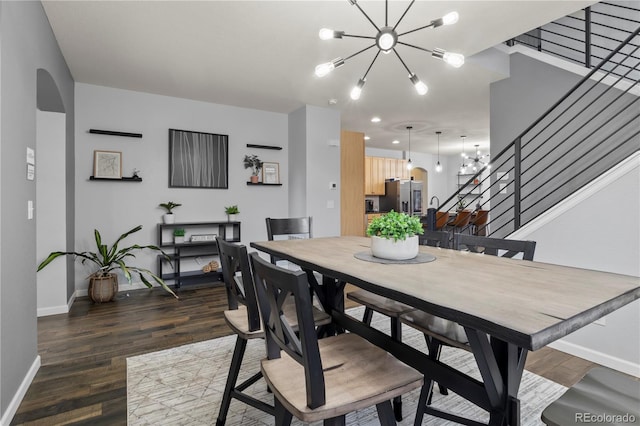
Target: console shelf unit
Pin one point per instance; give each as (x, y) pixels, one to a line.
(181, 252)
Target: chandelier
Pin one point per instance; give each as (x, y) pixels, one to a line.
(386, 40)
(477, 161)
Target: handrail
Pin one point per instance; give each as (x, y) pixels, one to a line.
(606, 128)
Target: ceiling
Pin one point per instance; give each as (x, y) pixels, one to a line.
(262, 54)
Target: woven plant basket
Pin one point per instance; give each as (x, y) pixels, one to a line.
(103, 289)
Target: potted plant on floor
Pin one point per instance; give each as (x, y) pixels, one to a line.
(231, 212)
(253, 162)
(168, 216)
(395, 236)
(103, 283)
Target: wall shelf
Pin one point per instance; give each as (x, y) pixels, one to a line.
(122, 179)
(250, 145)
(114, 133)
(264, 184)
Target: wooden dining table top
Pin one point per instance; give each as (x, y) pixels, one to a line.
(530, 304)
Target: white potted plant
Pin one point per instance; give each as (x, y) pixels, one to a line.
(253, 162)
(231, 212)
(168, 216)
(394, 236)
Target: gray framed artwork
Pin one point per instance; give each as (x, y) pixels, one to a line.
(198, 160)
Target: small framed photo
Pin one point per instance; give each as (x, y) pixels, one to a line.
(270, 173)
(107, 164)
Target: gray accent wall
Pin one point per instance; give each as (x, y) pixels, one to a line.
(26, 45)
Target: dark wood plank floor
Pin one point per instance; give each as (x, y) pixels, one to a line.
(82, 380)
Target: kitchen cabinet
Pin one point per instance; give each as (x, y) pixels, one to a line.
(374, 175)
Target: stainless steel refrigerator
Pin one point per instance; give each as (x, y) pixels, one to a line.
(402, 196)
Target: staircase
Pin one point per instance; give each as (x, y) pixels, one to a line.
(590, 129)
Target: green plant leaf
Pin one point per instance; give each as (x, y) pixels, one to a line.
(396, 226)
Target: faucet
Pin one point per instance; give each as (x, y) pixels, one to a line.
(431, 202)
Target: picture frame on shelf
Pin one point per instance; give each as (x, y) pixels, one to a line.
(107, 164)
(270, 173)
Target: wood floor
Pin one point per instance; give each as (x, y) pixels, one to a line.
(82, 380)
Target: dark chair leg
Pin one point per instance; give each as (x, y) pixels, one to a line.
(368, 314)
(385, 414)
(396, 334)
(283, 417)
(335, 421)
(425, 393)
(234, 370)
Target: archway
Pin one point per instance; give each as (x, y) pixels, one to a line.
(50, 205)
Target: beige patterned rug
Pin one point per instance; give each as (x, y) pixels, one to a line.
(184, 385)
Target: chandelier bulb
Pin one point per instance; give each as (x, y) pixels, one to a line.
(328, 34)
(327, 67)
(456, 60)
(421, 88)
(357, 90)
(450, 18)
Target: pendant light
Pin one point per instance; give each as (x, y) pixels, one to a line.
(463, 167)
(438, 165)
(409, 165)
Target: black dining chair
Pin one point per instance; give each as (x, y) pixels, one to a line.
(391, 308)
(439, 331)
(243, 317)
(290, 227)
(321, 379)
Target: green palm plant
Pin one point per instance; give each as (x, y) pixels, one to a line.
(108, 259)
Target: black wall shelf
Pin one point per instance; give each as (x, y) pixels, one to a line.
(123, 179)
(264, 184)
(250, 145)
(113, 133)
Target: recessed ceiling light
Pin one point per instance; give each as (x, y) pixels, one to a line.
(395, 142)
(366, 138)
(375, 120)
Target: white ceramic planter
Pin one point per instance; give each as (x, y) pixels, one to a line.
(169, 218)
(394, 250)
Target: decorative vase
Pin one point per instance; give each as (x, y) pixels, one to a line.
(385, 248)
(231, 217)
(254, 178)
(103, 288)
(169, 218)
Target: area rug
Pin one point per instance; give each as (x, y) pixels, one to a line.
(184, 386)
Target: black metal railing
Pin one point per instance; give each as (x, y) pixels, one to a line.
(593, 127)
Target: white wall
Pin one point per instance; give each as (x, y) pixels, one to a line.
(115, 207)
(598, 229)
(51, 229)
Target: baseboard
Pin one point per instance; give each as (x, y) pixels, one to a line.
(55, 310)
(21, 392)
(622, 365)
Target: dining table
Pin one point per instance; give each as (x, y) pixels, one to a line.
(507, 307)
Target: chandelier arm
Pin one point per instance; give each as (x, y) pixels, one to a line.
(358, 36)
(402, 17)
(403, 64)
(415, 47)
(367, 16)
(372, 62)
(417, 29)
(359, 52)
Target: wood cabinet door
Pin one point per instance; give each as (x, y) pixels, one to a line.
(378, 175)
(367, 176)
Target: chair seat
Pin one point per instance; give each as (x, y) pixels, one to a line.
(237, 320)
(602, 392)
(449, 332)
(381, 304)
(357, 375)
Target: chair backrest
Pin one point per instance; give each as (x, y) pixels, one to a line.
(234, 258)
(434, 239)
(441, 219)
(493, 246)
(273, 286)
(462, 219)
(480, 222)
(289, 226)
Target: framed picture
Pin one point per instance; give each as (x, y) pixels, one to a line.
(270, 172)
(107, 164)
(198, 160)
